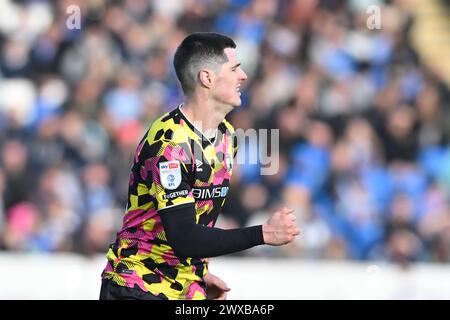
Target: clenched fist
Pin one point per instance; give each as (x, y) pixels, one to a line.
(280, 229)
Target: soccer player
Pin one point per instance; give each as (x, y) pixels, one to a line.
(178, 185)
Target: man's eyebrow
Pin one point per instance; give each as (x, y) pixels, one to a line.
(235, 66)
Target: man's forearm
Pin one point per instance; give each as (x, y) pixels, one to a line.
(189, 239)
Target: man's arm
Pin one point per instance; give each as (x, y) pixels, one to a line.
(189, 239)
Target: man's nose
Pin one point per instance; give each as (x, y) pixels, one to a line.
(243, 76)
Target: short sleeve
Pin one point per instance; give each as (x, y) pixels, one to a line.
(169, 176)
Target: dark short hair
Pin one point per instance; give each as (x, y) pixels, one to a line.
(199, 50)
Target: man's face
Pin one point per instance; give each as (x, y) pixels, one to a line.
(228, 81)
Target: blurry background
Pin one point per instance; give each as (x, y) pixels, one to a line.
(363, 114)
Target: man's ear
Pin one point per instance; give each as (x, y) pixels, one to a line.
(206, 77)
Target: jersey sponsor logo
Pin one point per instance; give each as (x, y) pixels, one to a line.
(170, 174)
(209, 193)
(176, 194)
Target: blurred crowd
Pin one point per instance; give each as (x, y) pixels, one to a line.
(364, 126)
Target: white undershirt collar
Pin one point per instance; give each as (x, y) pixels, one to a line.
(203, 135)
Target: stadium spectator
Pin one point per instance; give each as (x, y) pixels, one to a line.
(357, 107)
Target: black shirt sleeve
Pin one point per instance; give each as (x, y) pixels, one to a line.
(189, 239)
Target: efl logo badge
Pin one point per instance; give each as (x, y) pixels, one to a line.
(170, 174)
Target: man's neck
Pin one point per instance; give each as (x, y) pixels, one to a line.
(206, 115)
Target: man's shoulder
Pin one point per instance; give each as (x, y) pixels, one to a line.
(230, 131)
(167, 128)
(228, 126)
(164, 133)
